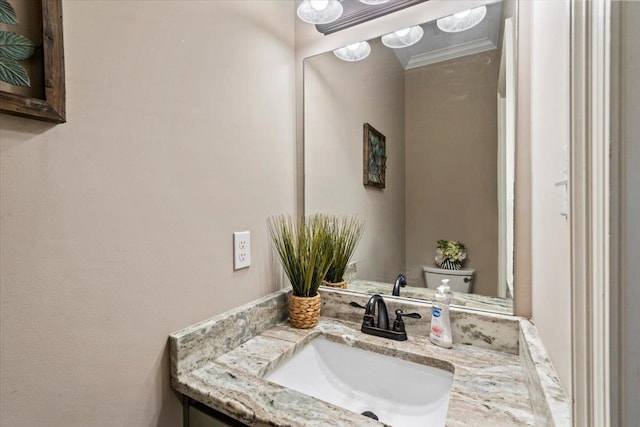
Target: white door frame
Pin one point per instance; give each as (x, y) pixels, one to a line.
(590, 63)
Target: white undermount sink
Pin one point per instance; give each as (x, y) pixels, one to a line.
(398, 392)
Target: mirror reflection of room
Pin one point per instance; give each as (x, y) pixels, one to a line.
(445, 107)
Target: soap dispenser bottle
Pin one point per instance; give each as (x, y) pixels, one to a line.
(440, 323)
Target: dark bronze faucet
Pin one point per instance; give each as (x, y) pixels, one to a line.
(380, 328)
(376, 302)
(401, 282)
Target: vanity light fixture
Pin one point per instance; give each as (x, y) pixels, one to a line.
(462, 21)
(319, 11)
(403, 38)
(353, 52)
(374, 2)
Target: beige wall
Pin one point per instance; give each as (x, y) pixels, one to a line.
(451, 164)
(339, 98)
(550, 125)
(117, 226)
(628, 312)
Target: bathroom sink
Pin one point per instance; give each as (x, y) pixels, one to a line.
(398, 392)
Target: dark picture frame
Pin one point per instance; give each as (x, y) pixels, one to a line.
(374, 157)
(53, 107)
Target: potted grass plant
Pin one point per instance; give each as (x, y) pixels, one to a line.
(345, 233)
(304, 249)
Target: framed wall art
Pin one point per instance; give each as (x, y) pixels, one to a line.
(32, 81)
(375, 157)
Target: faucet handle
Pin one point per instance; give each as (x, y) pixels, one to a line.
(368, 319)
(398, 324)
(400, 313)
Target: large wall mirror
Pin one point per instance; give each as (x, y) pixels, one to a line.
(446, 108)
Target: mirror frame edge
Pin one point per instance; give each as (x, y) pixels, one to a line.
(522, 218)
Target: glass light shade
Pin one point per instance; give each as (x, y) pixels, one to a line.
(374, 2)
(353, 52)
(319, 11)
(463, 14)
(403, 38)
(462, 21)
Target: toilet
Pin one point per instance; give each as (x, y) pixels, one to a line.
(459, 280)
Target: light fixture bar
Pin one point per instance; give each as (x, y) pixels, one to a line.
(374, 2)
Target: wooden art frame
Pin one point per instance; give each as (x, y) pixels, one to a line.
(374, 165)
(53, 107)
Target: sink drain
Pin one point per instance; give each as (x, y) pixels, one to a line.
(370, 415)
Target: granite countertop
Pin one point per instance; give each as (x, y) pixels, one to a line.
(489, 387)
(460, 299)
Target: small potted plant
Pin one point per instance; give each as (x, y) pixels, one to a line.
(450, 254)
(345, 233)
(304, 248)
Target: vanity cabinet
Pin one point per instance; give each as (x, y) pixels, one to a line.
(195, 414)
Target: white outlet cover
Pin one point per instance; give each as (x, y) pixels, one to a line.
(241, 249)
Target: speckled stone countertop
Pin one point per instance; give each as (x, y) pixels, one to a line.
(475, 301)
(221, 362)
(550, 403)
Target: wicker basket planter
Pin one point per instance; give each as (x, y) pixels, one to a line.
(339, 285)
(304, 312)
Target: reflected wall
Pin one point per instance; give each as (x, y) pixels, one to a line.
(440, 124)
(339, 98)
(451, 164)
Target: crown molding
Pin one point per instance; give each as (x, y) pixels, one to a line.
(452, 52)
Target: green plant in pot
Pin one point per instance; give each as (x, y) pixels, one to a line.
(304, 249)
(450, 254)
(345, 233)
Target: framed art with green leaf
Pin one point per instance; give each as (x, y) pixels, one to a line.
(374, 157)
(32, 82)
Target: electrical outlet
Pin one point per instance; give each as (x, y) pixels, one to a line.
(241, 249)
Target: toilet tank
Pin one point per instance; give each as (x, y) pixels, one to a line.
(459, 280)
